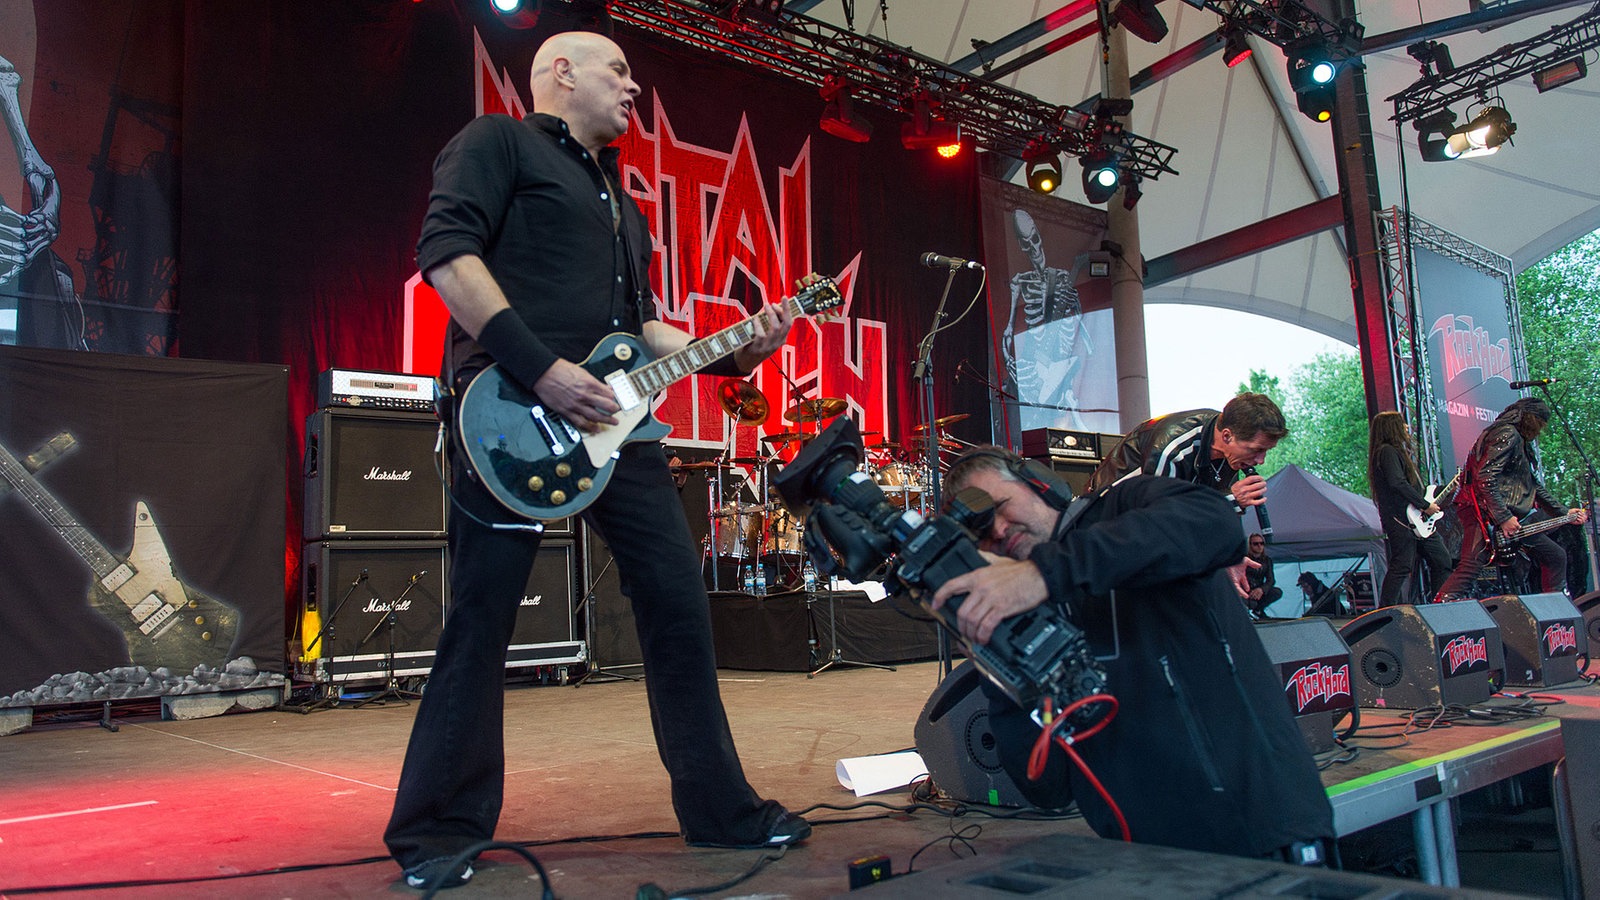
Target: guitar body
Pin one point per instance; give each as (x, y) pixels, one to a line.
(165, 622)
(1424, 526)
(532, 460)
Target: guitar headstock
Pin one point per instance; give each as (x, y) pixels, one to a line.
(816, 294)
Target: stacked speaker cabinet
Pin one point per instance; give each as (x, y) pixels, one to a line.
(1412, 657)
(1544, 637)
(374, 521)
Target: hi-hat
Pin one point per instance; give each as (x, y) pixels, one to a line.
(743, 401)
(815, 410)
(942, 421)
(784, 437)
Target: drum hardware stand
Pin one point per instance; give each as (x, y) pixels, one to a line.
(836, 656)
(596, 671)
(330, 694)
(391, 688)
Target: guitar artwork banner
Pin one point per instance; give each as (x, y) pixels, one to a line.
(141, 527)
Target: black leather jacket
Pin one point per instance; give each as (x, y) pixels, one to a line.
(1500, 476)
(1177, 445)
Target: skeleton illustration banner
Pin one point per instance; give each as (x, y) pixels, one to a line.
(1053, 362)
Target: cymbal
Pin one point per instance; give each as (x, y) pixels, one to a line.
(783, 437)
(708, 464)
(942, 421)
(870, 433)
(815, 410)
(884, 445)
(743, 401)
(750, 460)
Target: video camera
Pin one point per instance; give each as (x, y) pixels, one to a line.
(853, 530)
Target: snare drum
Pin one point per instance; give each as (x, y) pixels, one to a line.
(902, 483)
(736, 529)
(783, 533)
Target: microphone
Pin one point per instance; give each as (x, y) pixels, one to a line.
(1261, 510)
(936, 261)
(1532, 382)
(418, 577)
(359, 578)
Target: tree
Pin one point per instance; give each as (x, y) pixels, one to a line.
(1326, 409)
(1559, 301)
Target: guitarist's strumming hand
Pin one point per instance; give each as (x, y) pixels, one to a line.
(1581, 514)
(584, 400)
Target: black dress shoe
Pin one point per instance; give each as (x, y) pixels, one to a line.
(786, 830)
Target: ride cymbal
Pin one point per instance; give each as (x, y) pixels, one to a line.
(942, 421)
(815, 410)
(743, 401)
(783, 437)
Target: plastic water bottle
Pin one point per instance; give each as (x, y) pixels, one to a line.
(761, 580)
(809, 574)
(748, 578)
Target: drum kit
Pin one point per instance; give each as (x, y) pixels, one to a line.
(762, 536)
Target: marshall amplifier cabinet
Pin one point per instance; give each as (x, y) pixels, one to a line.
(1544, 635)
(372, 475)
(1411, 657)
(1313, 664)
(347, 589)
(545, 634)
(1059, 443)
(375, 390)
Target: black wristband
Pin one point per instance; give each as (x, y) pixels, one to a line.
(515, 347)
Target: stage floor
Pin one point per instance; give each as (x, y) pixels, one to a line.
(273, 790)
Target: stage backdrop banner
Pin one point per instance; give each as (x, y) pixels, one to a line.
(1469, 348)
(1049, 312)
(141, 528)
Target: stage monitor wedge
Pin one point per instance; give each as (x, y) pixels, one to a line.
(1412, 657)
(1544, 637)
(1313, 663)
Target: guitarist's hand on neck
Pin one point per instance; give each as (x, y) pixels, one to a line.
(1511, 526)
(584, 400)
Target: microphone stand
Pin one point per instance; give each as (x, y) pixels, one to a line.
(922, 372)
(391, 689)
(1592, 530)
(330, 699)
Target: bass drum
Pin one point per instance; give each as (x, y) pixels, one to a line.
(736, 529)
(902, 483)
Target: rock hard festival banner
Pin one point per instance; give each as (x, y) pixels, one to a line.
(1470, 350)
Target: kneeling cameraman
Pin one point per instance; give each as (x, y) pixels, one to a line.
(1203, 753)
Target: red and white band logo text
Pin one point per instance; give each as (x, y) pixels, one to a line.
(1464, 652)
(1467, 345)
(1315, 683)
(1560, 639)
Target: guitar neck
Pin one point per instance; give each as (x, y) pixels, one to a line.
(1546, 525)
(655, 376)
(47, 506)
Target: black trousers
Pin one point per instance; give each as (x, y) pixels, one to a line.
(452, 784)
(1551, 559)
(1404, 548)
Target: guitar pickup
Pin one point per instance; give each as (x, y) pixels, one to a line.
(627, 397)
(154, 614)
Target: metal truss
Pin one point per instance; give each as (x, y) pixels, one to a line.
(1290, 24)
(892, 77)
(1438, 91)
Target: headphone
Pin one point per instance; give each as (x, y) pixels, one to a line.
(1040, 478)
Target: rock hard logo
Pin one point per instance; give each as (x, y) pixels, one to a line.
(1560, 639)
(1317, 686)
(1467, 345)
(1465, 653)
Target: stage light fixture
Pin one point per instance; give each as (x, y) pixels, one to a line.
(927, 129)
(1100, 174)
(1235, 47)
(765, 12)
(1434, 57)
(1484, 134)
(839, 117)
(1433, 136)
(1044, 171)
(1142, 20)
(1317, 103)
(516, 13)
(1132, 192)
(1311, 74)
(1555, 76)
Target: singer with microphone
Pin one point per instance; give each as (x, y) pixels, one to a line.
(1219, 450)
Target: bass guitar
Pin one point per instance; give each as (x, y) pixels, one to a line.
(1502, 545)
(539, 465)
(1424, 526)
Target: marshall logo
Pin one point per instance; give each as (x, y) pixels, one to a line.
(1560, 639)
(534, 600)
(378, 606)
(1465, 652)
(377, 474)
(1317, 686)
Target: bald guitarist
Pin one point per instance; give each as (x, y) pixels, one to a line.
(1500, 489)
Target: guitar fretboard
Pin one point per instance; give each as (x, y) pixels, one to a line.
(653, 377)
(47, 506)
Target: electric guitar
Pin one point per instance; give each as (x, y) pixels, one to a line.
(539, 465)
(1502, 545)
(165, 622)
(1425, 526)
